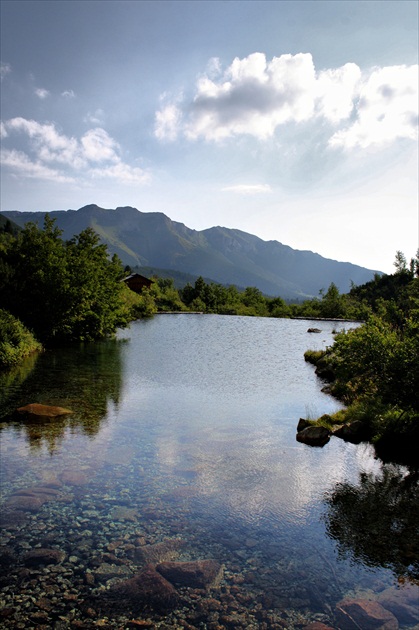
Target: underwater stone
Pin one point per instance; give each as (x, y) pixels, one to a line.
(402, 602)
(146, 589)
(36, 410)
(353, 614)
(196, 574)
(36, 557)
(159, 552)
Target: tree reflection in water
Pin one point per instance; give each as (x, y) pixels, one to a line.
(377, 521)
(82, 377)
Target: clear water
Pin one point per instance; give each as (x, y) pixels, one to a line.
(184, 427)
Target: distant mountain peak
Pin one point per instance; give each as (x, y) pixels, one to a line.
(228, 256)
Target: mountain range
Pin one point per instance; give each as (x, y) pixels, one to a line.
(224, 255)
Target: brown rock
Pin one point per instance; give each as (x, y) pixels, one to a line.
(303, 424)
(159, 552)
(197, 574)
(353, 614)
(402, 602)
(314, 436)
(106, 571)
(317, 625)
(32, 499)
(353, 432)
(36, 410)
(36, 557)
(147, 589)
(26, 503)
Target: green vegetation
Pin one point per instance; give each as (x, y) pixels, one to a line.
(16, 341)
(61, 290)
(374, 369)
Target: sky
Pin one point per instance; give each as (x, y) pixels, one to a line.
(296, 121)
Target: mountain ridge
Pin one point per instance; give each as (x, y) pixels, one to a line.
(228, 255)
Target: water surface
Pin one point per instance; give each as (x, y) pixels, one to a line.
(184, 429)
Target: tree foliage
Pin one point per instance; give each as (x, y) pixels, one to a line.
(62, 290)
(16, 341)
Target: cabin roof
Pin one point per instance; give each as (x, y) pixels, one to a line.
(136, 275)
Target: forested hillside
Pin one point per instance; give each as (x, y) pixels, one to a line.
(227, 256)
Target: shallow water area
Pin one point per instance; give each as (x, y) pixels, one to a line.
(182, 448)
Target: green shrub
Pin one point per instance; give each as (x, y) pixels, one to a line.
(16, 341)
(314, 356)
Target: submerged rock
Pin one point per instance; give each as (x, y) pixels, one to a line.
(31, 499)
(314, 330)
(314, 436)
(402, 602)
(106, 571)
(37, 557)
(353, 614)
(147, 589)
(36, 410)
(159, 552)
(196, 574)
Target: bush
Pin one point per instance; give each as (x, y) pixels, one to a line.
(16, 341)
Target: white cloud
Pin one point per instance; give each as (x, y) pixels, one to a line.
(20, 162)
(256, 97)
(336, 91)
(168, 121)
(98, 146)
(42, 93)
(96, 154)
(5, 69)
(95, 118)
(48, 144)
(3, 132)
(123, 173)
(68, 94)
(248, 189)
(387, 109)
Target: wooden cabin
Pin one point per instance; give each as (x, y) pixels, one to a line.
(136, 282)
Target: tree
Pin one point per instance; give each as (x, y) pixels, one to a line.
(95, 308)
(62, 291)
(400, 262)
(35, 290)
(332, 304)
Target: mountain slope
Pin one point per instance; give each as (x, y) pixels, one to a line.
(228, 256)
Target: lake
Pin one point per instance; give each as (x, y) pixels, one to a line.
(182, 448)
